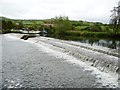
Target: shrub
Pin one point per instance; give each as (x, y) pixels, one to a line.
(6, 31)
(95, 28)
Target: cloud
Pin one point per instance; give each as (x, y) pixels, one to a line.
(90, 10)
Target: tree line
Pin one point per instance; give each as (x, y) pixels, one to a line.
(9, 24)
(61, 26)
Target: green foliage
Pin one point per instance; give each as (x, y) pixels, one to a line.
(61, 25)
(4, 31)
(90, 28)
(20, 25)
(7, 24)
(105, 28)
(95, 28)
(32, 24)
(81, 28)
(88, 34)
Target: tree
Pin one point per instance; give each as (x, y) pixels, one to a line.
(117, 26)
(95, 28)
(61, 25)
(10, 25)
(20, 26)
(4, 25)
(115, 19)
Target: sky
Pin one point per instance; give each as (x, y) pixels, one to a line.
(86, 10)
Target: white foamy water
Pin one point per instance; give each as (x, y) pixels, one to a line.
(10, 36)
(105, 78)
(13, 84)
(102, 77)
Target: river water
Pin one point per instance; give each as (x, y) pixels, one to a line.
(103, 42)
(113, 44)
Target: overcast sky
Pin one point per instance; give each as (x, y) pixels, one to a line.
(87, 10)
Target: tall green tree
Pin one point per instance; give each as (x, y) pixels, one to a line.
(4, 24)
(61, 25)
(7, 24)
(10, 25)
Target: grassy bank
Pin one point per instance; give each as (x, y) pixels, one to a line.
(93, 34)
(78, 35)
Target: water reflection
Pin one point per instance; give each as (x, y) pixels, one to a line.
(104, 42)
(114, 44)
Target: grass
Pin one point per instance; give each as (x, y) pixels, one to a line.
(92, 34)
(80, 27)
(76, 36)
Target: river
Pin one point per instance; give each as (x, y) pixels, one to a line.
(112, 43)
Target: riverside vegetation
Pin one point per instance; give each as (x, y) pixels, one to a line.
(61, 27)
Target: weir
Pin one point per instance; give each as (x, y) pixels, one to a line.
(104, 61)
(101, 65)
